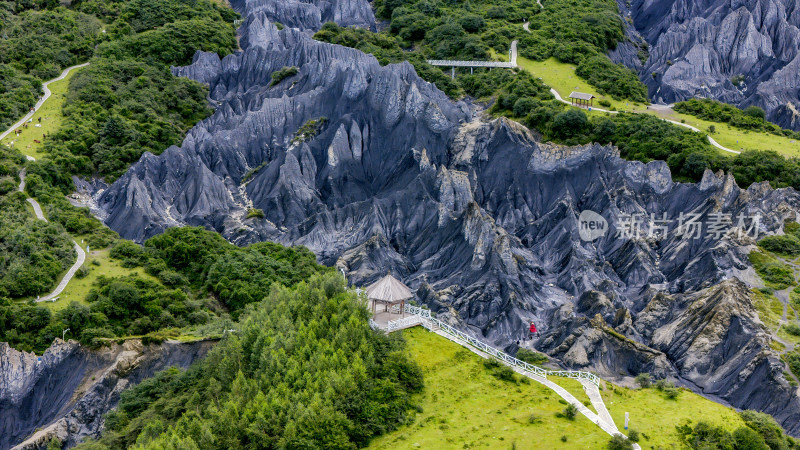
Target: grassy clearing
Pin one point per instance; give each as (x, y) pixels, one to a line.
(464, 406)
(99, 264)
(770, 309)
(737, 139)
(561, 77)
(51, 115)
(775, 273)
(656, 416)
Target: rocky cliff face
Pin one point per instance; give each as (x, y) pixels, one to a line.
(376, 170)
(65, 392)
(699, 48)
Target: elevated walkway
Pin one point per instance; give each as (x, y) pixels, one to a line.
(452, 63)
(413, 316)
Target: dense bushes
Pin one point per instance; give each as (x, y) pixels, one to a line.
(304, 371)
(235, 275)
(761, 432)
(753, 166)
(579, 33)
(116, 110)
(33, 253)
(172, 44)
(612, 79)
(192, 270)
(127, 101)
(42, 43)
(36, 46)
(141, 15)
(18, 93)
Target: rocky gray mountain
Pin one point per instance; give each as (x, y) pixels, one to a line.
(65, 392)
(744, 52)
(376, 170)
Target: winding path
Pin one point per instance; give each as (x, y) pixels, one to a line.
(81, 254)
(37, 210)
(657, 108)
(41, 100)
(663, 108)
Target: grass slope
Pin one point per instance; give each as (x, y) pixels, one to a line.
(464, 406)
(99, 264)
(51, 114)
(561, 77)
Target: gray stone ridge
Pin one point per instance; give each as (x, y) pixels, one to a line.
(740, 52)
(310, 15)
(376, 171)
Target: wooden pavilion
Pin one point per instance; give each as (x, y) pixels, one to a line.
(388, 291)
(581, 99)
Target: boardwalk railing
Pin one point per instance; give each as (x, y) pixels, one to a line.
(498, 354)
(405, 322)
(454, 63)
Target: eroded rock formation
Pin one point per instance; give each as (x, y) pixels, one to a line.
(376, 170)
(740, 52)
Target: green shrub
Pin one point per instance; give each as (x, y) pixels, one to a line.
(472, 23)
(532, 357)
(257, 213)
(570, 123)
(612, 79)
(785, 244)
(671, 392)
(282, 74)
(792, 328)
(774, 273)
(570, 412)
(644, 380)
(618, 442)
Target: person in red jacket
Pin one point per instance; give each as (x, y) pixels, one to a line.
(534, 330)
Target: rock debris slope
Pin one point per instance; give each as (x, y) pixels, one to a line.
(376, 170)
(740, 52)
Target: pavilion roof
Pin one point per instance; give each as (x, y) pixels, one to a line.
(581, 95)
(389, 290)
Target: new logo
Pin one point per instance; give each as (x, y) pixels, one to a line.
(591, 225)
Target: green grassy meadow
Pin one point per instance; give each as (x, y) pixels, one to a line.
(51, 114)
(561, 77)
(464, 406)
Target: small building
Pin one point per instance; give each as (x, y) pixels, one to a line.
(581, 99)
(389, 292)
